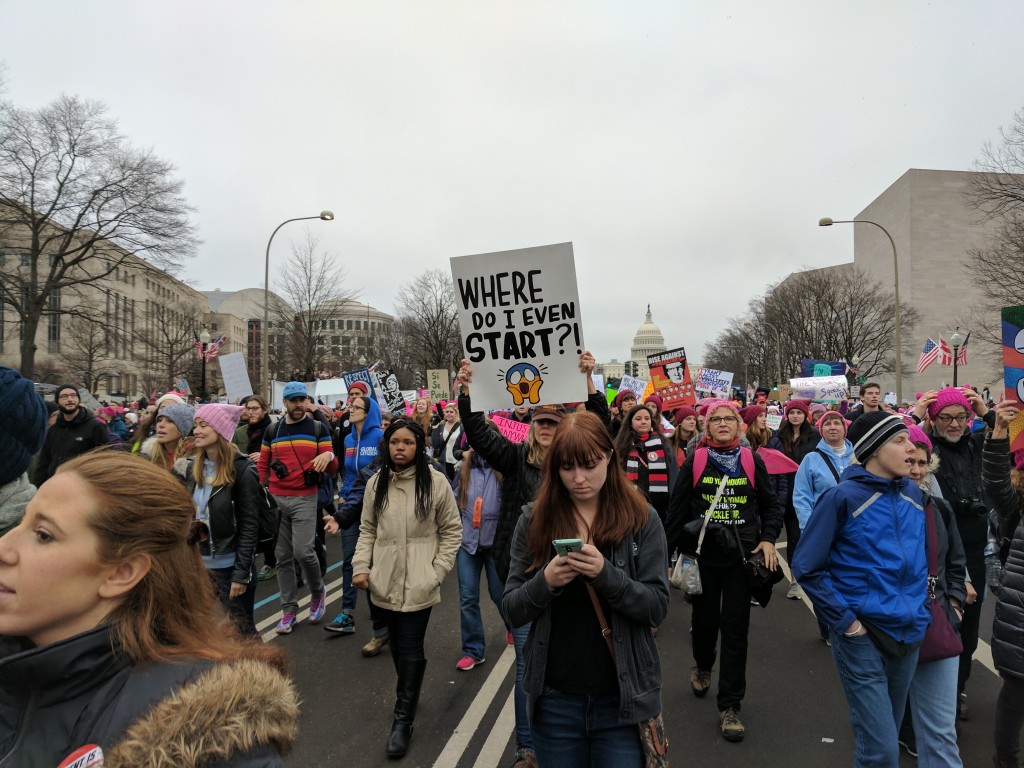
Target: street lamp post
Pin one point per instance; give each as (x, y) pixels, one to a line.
(264, 330)
(204, 342)
(827, 222)
(956, 340)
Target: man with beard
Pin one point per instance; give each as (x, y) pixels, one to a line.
(76, 431)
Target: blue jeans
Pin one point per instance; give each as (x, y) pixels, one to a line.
(575, 731)
(524, 738)
(876, 690)
(468, 568)
(933, 708)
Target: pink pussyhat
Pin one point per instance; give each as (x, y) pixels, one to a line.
(222, 417)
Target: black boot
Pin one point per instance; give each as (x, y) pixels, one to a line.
(407, 696)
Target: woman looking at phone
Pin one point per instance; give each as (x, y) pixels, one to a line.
(586, 701)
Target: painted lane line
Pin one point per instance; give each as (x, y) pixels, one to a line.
(276, 595)
(302, 601)
(456, 746)
(493, 751)
(301, 616)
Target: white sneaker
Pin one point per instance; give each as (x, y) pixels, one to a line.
(794, 591)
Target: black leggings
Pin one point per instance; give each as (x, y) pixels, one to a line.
(1009, 716)
(407, 631)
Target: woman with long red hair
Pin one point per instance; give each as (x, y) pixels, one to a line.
(588, 690)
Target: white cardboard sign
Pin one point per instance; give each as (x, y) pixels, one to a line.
(822, 388)
(236, 377)
(633, 384)
(519, 318)
(714, 382)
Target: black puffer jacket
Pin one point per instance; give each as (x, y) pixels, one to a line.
(521, 479)
(1008, 627)
(79, 691)
(234, 516)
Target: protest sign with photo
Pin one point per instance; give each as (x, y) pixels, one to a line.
(670, 375)
(438, 384)
(510, 428)
(389, 396)
(830, 389)
(519, 319)
(235, 375)
(712, 382)
(634, 385)
(1013, 369)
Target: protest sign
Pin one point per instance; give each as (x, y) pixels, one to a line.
(670, 375)
(812, 368)
(409, 395)
(438, 384)
(823, 388)
(1013, 369)
(235, 375)
(363, 375)
(389, 396)
(634, 385)
(423, 392)
(712, 382)
(773, 420)
(855, 390)
(598, 381)
(510, 428)
(519, 318)
(330, 391)
(784, 392)
(183, 385)
(889, 398)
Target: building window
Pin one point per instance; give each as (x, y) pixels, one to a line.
(26, 259)
(331, 324)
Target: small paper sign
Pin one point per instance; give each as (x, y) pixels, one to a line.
(437, 385)
(774, 420)
(515, 431)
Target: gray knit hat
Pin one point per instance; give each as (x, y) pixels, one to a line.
(182, 415)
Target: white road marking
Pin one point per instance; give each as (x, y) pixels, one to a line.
(302, 615)
(456, 746)
(493, 751)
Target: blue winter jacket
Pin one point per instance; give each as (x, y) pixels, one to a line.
(862, 555)
(361, 447)
(814, 478)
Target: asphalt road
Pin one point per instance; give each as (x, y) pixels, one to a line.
(794, 710)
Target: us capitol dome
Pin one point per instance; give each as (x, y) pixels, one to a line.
(647, 341)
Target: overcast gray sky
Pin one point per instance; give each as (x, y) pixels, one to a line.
(687, 149)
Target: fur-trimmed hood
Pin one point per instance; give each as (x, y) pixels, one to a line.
(242, 708)
(79, 692)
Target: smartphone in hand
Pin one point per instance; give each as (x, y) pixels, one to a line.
(564, 546)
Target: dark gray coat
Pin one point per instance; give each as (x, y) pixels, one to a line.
(1008, 627)
(634, 582)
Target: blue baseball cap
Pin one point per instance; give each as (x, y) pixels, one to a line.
(294, 389)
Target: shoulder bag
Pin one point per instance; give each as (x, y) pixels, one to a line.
(940, 640)
(652, 730)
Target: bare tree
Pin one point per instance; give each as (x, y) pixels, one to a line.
(85, 347)
(428, 321)
(824, 314)
(996, 191)
(312, 283)
(78, 202)
(165, 345)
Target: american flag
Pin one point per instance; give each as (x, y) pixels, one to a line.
(929, 354)
(211, 348)
(947, 353)
(961, 356)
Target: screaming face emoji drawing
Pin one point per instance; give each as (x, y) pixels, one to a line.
(523, 381)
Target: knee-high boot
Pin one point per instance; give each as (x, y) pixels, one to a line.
(407, 696)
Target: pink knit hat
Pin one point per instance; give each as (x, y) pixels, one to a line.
(836, 415)
(222, 417)
(918, 436)
(947, 397)
(716, 404)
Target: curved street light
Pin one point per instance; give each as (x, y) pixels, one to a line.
(827, 222)
(265, 330)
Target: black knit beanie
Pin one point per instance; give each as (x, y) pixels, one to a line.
(871, 431)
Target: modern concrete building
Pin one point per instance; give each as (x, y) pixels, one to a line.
(933, 228)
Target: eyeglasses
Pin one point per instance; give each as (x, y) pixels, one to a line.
(68, 397)
(356, 408)
(254, 407)
(945, 418)
(721, 419)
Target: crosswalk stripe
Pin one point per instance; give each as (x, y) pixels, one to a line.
(456, 746)
(494, 748)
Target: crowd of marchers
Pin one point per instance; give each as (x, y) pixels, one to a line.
(126, 608)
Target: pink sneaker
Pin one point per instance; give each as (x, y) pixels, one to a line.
(317, 605)
(508, 638)
(284, 626)
(467, 663)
